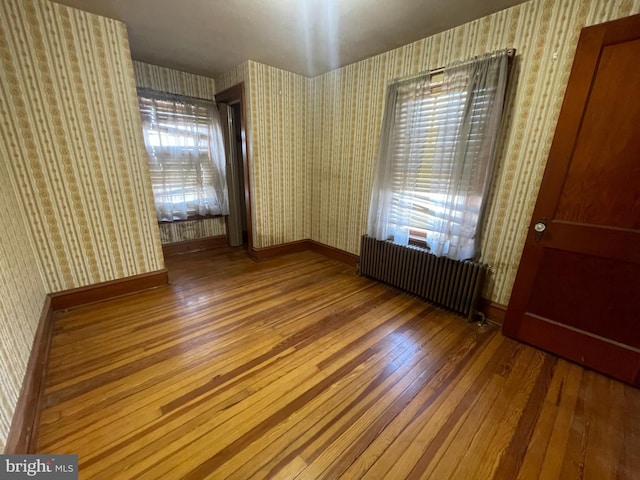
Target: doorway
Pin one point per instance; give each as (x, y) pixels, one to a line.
(231, 105)
(239, 164)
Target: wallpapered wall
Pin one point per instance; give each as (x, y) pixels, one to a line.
(22, 295)
(182, 83)
(72, 133)
(72, 170)
(278, 119)
(277, 111)
(281, 183)
(73, 163)
(347, 115)
(313, 165)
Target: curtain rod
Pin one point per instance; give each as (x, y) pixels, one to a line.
(511, 53)
(176, 96)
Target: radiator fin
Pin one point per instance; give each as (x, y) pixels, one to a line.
(452, 284)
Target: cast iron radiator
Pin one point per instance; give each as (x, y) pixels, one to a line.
(453, 284)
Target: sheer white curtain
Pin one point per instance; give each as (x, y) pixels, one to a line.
(383, 192)
(436, 156)
(183, 137)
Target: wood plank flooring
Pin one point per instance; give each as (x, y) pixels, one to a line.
(296, 368)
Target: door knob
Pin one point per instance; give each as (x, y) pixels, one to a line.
(540, 227)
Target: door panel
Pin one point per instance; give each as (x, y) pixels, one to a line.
(597, 189)
(561, 274)
(577, 291)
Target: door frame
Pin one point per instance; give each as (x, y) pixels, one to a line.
(230, 96)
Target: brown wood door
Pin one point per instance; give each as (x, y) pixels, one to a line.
(577, 291)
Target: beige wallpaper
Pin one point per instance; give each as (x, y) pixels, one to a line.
(182, 83)
(72, 136)
(73, 166)
(279, 155)
(191, 230)
(173, 81)
(278, 111)
(72, 174)
(347, 114)
(312, 165)
(236, 75)
(22, 295)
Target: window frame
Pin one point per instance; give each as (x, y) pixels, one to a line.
(201, 176)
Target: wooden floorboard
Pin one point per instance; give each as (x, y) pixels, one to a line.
(296, 368)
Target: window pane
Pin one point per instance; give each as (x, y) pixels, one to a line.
(177, 137)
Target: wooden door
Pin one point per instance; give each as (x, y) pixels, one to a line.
(577, 291)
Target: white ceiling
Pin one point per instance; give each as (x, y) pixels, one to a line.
(308, 37)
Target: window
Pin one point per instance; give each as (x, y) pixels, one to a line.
(436, 156)
(183, 138)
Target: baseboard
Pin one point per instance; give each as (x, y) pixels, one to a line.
(279, 250)
(347, 258)
(178, 248)
(106, 290)
(21, 438)
(302, 246)
(493, 312)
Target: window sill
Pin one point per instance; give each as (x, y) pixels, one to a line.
(189, 219)
(419, 243)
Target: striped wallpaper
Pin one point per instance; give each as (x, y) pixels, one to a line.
(182, 83)
(72, 133)
(236, 75)
(278, 111)
(280, 152)
(347, 115)
(173, 81)
(73, 167)
(313, 142)
(72, 170)
(22, 295)
(191, 230)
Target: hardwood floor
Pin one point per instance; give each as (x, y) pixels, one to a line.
(297, 368)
